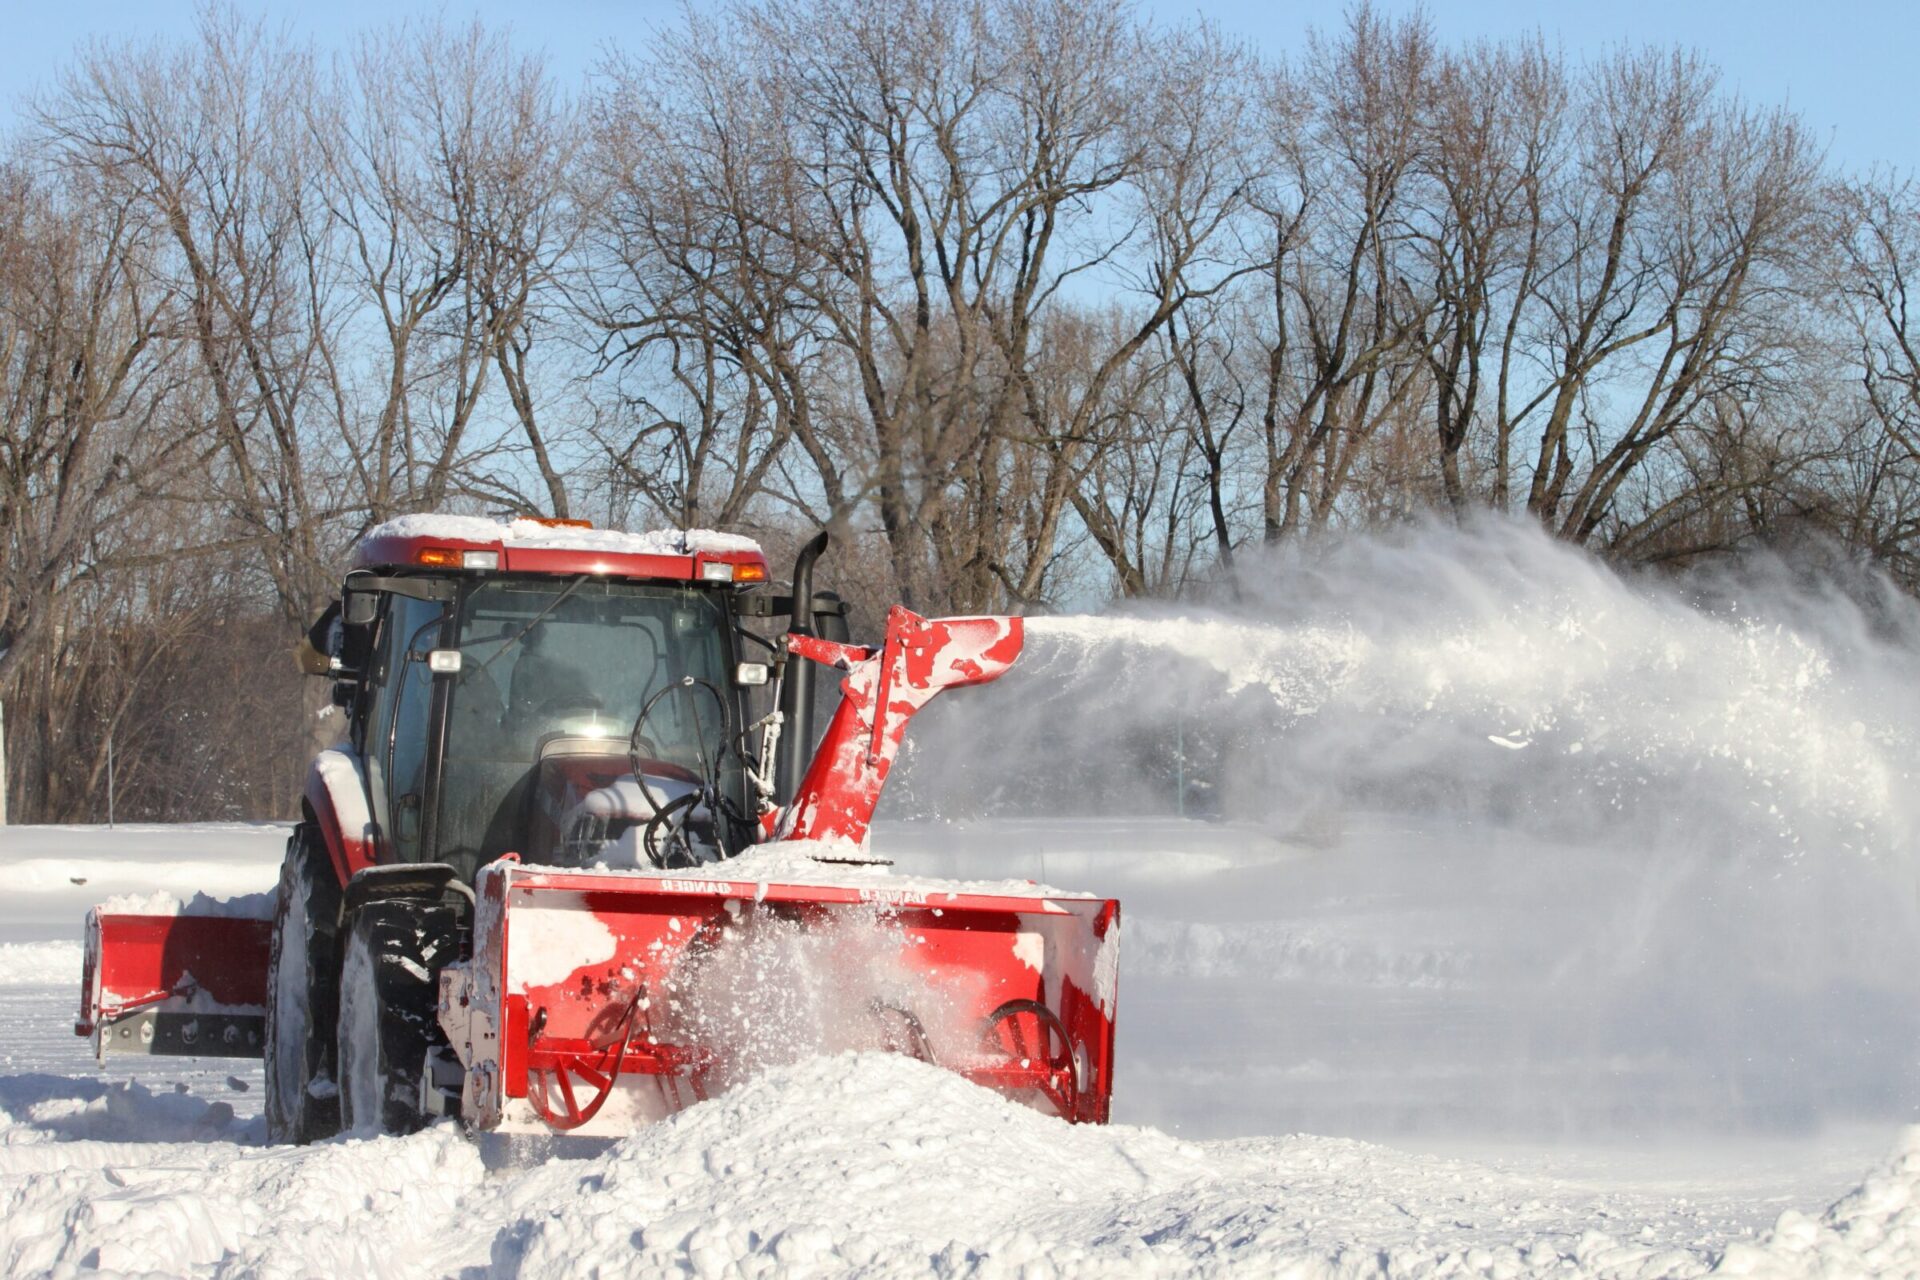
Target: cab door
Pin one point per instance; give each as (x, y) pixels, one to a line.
(397, 747)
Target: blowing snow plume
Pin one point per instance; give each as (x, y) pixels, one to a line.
(1517, 843)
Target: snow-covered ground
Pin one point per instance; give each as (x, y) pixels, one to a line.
(1543, 924)
(1265, 984)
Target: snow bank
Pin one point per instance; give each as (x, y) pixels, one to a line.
(873, 1164)
(534, 535)
(346, 1208)
(859, 1164)
(32, 964)
(1874, 1231)
(878, 1165)
(60, 1127)
(55, 875)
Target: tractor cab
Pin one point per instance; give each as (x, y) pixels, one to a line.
(570, 695)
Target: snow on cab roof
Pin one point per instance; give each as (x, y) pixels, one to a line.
(535, 534)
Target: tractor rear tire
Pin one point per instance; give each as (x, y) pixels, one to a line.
(303, 970)
(389, 1012)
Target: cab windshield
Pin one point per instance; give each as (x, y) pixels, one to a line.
(580, 658)
(574, 659)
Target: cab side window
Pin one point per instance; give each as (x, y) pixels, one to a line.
(396, 751)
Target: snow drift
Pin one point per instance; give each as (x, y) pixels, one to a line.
(867, 1164)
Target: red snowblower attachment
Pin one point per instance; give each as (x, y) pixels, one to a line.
(548, 884)
(595, 1002)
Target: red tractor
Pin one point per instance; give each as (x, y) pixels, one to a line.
(579, 861)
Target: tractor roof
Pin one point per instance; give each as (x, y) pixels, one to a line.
(561, 548)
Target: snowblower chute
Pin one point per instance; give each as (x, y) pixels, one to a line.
(551, 881)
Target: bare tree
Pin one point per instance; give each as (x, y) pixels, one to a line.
(1493, 145)
(1192, 190)
(874, 210)
(1876, 226)
(450, 161)
(209, 142)
(1340, 322)
(1674, 254)
(701, 295)
(84, 388)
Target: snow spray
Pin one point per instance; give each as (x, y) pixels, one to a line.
(772, 990)
(1526, 845)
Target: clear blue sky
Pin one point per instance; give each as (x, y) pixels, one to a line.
(1848, 66)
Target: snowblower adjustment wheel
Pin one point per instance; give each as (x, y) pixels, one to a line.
(551, 1093)
(1028, 1032)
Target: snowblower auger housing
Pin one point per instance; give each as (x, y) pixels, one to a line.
(578, 863)
(597, 1001)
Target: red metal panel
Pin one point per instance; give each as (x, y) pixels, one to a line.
(685, 981)
(883, 690)
(136, 961)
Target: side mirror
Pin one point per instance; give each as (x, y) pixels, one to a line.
(358, 608)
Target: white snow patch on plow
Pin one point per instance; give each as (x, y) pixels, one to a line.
(841, 864)
(547, 945)
(1106, 969)
(246, 906)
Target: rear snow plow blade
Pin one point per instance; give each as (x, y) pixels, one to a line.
(599, 1001)
(185, 985)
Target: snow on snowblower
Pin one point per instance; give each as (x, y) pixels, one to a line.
(579, 862)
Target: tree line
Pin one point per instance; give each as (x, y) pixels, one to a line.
(1032, 302)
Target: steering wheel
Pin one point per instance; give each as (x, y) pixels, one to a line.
(666, 839)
